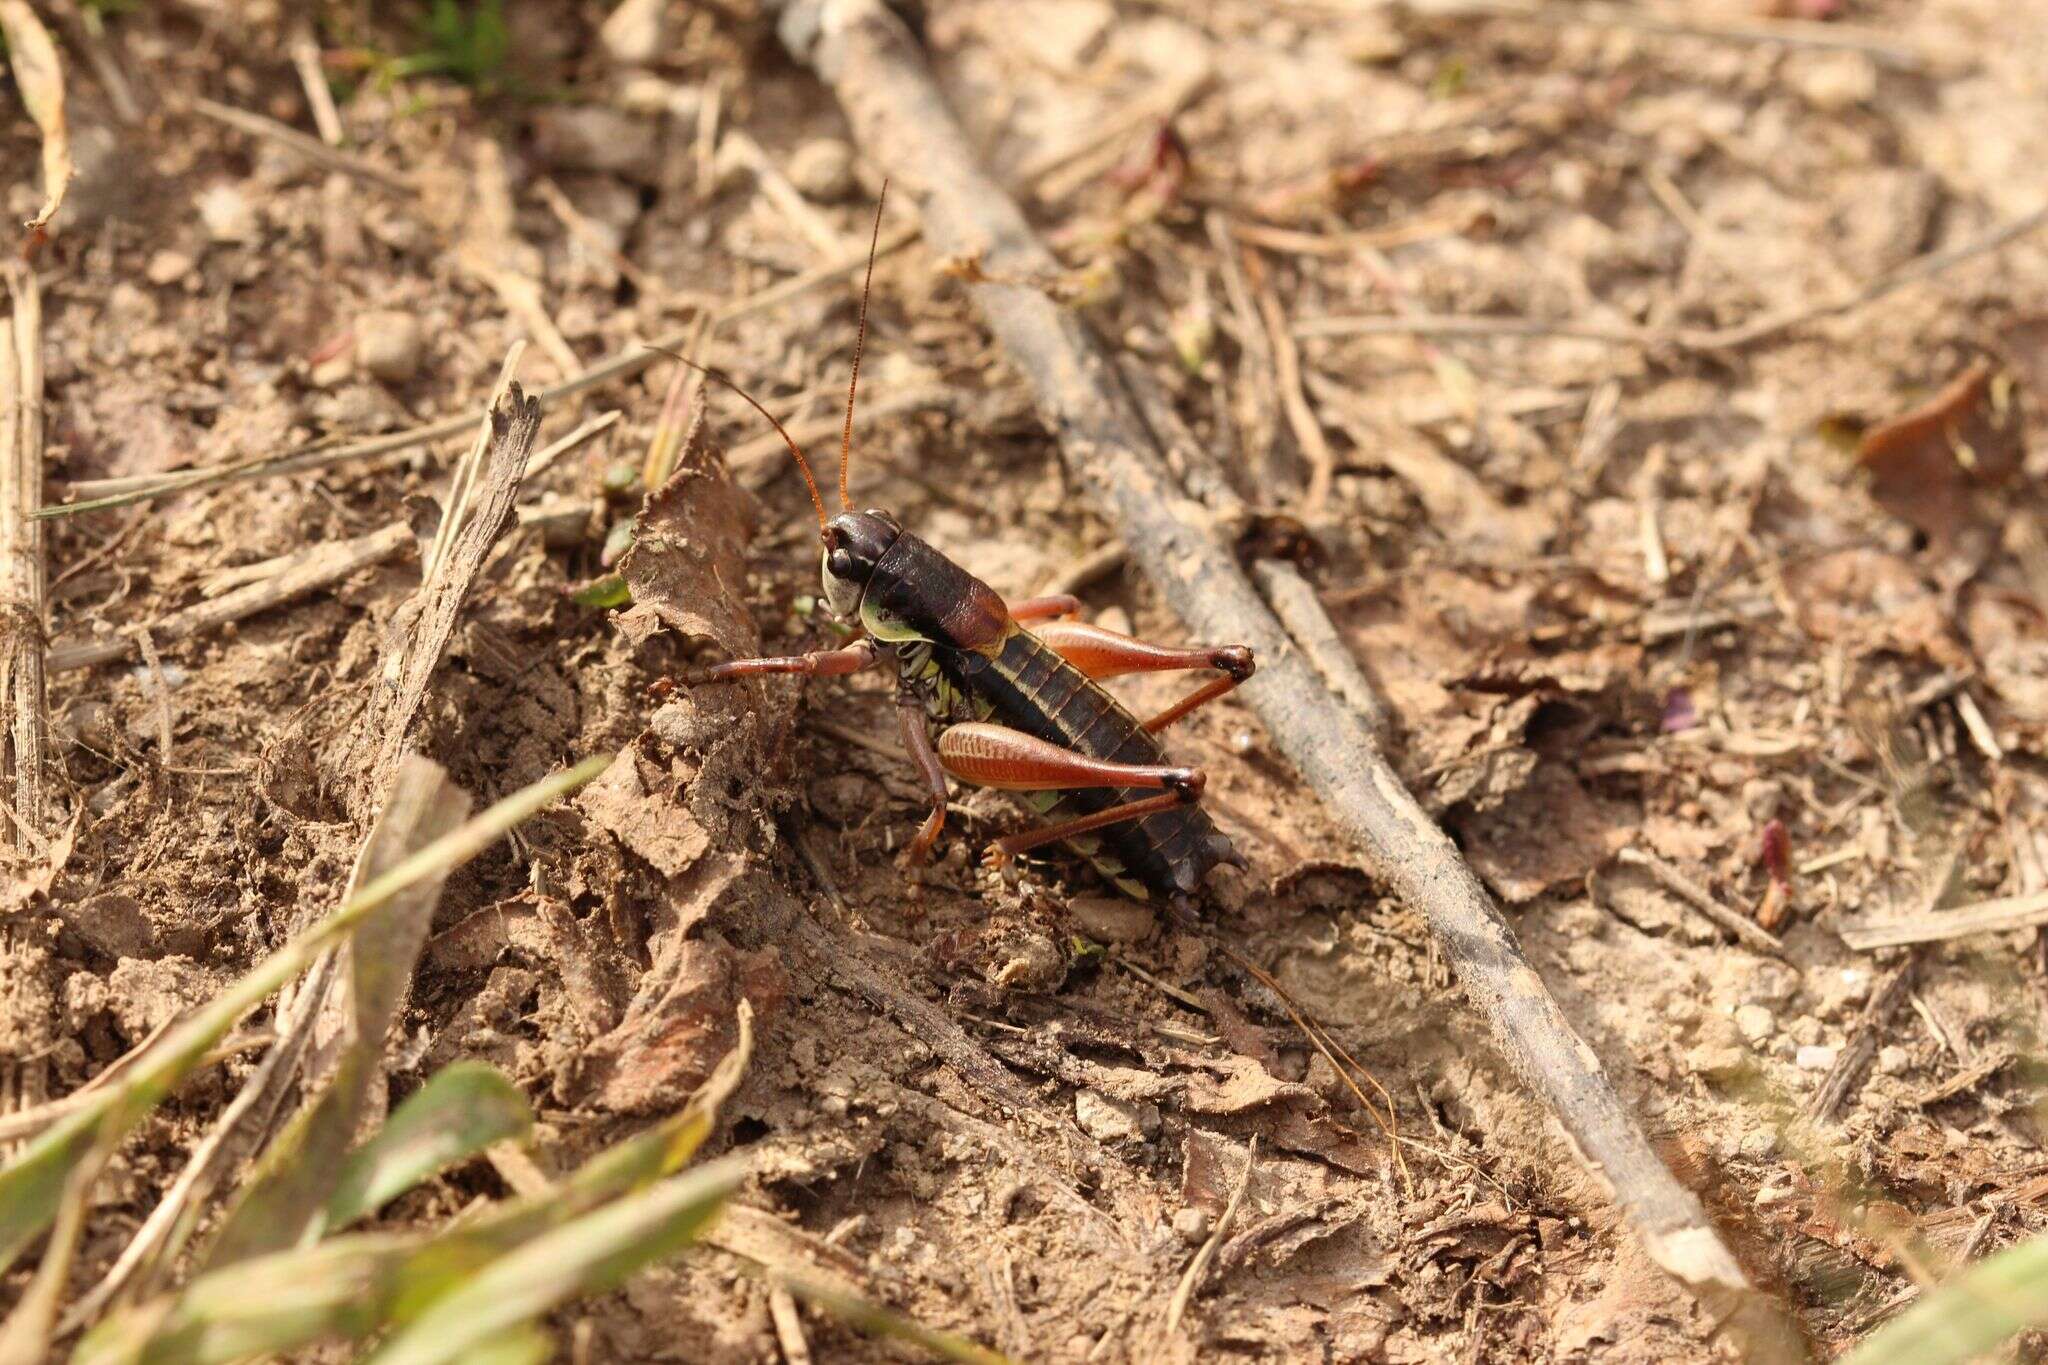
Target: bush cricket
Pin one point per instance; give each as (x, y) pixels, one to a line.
(1009, 694)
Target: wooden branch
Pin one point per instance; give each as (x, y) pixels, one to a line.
(24, 573)
(1741, 926)
(897, 112)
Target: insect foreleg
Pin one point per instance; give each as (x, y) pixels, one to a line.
(1105, 654)
(824, 663)
(918, 740)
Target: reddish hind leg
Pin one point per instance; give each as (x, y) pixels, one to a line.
(997, 756)
(1105, 654)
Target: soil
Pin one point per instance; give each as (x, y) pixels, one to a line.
(1633, 595)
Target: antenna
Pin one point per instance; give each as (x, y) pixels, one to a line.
(802, 463)
(860, 342)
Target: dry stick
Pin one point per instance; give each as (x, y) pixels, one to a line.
(306, 61)
(105, 493)
(24, 609)
(895, 107)
(1841, 1079)
(310, 571)
(1718, 339)
(312, 148)
(478, 509)
(1751, 934)
(1308, 429)
(24, 573)
(1985, 917)
(1791, 33)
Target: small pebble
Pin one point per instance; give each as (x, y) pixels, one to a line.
(388, 345)
(1191, 1224)
(1112, 1120)
(635, 33)
(1894, 1060)
(1816, 1058)
(1755, 1023)
(1757, 1144)
(822, 169)
(168, 267)
(227, 213)
(1112, 919)
(1832, 82)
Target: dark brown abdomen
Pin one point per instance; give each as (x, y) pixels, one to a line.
(1031, 688)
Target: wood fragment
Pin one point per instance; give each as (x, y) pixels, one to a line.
(813, 226)
(1964, 1081)
(312, 148)
(319, 98)
(1789, 33)
(477, 511)
(898, 114)
(1741, 926)
(24, 570)
(789, 1327)
(1985, 917)
(1308, 430)
(304, 572)
(1847, 1072)
(39, 80)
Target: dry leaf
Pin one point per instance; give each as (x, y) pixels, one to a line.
(36, 70)
(1927, 465)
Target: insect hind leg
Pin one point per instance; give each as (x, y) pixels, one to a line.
(1106, 654)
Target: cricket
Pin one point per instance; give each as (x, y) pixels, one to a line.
(1008, 695)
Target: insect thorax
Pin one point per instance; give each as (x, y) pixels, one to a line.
(944, 701)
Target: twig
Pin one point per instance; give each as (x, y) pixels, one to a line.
(477, 510)
(29, 1122)
(1718, 339)
(1191, 1278)
(1848, 1068)
(1790, 33)
(562, 445)
(1985, 917)
(312, 148)
(319, 99)
(1090, 568)
(1966, 1080)
(1745, 929)
(105, 493)
(24, 610)
(1294, 600)
(1308, 431)
(789, 1327)
(897, 112)
(312, 570)
(810, 224)
(24, 571)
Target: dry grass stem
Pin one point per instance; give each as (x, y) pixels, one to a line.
(312, 148)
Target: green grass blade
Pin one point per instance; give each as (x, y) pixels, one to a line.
(524, 1346)
(589, 1255)
(32, 1184)
(296, 1175)
(1969, 1315)
(461, 1110)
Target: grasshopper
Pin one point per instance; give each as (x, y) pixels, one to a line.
(1008, 694)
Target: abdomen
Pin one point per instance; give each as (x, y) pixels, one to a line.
(1028, 687)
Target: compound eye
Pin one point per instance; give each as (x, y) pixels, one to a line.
(839, 564)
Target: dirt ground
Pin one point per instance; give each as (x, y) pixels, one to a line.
(1632, 601)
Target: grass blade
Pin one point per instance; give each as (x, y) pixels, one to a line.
(32, 1185)
(1969, 1315)
(593, 1253)
(461, 1110)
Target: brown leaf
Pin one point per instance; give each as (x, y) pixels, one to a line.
(688, 562)
(36, 70)
(1928, 465)
(1869, 600)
